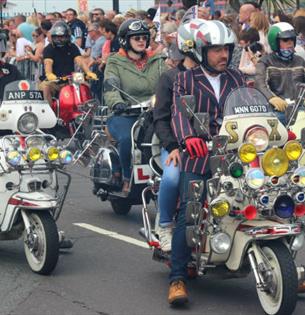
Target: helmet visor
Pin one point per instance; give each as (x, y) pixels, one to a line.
(137, 25)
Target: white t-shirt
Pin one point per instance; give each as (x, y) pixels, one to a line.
(215, 82)
(20, 46)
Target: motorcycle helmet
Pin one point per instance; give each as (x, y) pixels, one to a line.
(208, 35)
(186, 37)
(281, 30)
(130, 28)
(60, 34)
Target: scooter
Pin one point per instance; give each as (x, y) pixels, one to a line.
(30, 165)
(253, 218)
(74, 109)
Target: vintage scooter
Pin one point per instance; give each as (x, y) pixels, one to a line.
(31, 163)
(101, 150)
(74, 108)
(253, 218)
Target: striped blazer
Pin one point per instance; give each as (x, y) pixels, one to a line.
(194, 82)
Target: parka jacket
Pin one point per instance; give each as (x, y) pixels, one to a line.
(139, 84)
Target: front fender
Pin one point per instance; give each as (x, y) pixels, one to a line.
(248, 231)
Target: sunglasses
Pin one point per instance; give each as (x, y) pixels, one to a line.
(34, 35)
(95, 14)
(138, 38)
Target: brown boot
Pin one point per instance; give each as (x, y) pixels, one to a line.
(177, 294)
(301, 287)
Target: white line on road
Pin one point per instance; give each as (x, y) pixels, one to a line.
(112, 234)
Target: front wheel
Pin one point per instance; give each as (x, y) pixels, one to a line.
(281, 295)
(41, 245)
(120, 206)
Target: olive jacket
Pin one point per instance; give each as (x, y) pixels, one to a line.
(139, 85)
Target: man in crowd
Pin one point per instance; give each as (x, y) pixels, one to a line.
(245, 12)
(78, 28)
(97, 15)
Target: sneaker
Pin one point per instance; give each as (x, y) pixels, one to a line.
(165, 238)
(177, 294)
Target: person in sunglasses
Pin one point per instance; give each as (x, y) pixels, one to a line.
(278, 73)
(136, 71)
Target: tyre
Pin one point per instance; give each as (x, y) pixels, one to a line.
(42, 245)
(281, 298)
(120, 206)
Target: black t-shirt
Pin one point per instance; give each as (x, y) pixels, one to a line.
(63, 58)
(8, 74)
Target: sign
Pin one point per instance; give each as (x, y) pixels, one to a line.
(82, 6)
(142, 173)
(250, 109)
(24, 95)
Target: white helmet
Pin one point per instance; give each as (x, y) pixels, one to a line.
(186, 37)
(209, 34)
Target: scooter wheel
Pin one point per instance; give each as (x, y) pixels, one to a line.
(41, 245)
(120, 206)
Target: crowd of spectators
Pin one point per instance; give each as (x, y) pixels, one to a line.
(95, 35)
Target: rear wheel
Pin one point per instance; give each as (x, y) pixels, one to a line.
(41, 245)
(281, 295)
(120, 206)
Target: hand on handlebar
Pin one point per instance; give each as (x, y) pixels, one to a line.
(196, 147)
(278, 103)
(119, 108)
(91, 75)
(51, 77)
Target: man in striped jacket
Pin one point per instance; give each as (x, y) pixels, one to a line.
(210, 83)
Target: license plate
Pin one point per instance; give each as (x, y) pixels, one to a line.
(24, 95)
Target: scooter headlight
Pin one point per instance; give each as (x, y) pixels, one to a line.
(247, 153)
(78, 78)
(275, 162)
(52, 153)
(298, 242)
(220, 208)
(293, 150)
(34, 154)
(255, 178)
(284, 206)
(66, 157)
(13, 158)
(259, 137)
(220, 243)
(27, 123)
(298, 178)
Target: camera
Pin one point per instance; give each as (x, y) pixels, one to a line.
(255, 47)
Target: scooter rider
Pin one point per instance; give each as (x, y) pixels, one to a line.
(278, 73)
(210, 83)
(135, 71)
(170, 154)
(59, 58)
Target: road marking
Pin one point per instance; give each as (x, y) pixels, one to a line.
(112, 234)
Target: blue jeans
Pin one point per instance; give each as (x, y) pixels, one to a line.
(168, 192)
(120, 129)
(181, 253)
(281, 117)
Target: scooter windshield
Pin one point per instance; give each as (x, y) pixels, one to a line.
(247, 101)
(22, 91)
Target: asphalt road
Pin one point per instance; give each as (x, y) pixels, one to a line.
(102, 275)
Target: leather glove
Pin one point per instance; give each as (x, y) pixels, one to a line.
(51, 76)
(119, 108)
(278, 103)
(196, 147)
(91, 75)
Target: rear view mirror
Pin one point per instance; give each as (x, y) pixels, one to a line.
(201, 124)
(186, 105)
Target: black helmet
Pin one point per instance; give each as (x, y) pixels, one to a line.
(130, 28)
(60, 34)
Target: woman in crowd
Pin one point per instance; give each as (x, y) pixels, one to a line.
(135, 71)
(259, 21)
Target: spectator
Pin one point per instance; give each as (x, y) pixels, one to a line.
(110, 15)
(26, 30)
(51, 17)
(97, 15)
(204, 13)
(118, 20)
(217, 15)
(259, 21)
(95, 41)
(299, 26)
(245, 12)
(130, 14)
(141, 15)
(150, 14)
(78, 28)
(19, 19)
(46, 27)
(178, 16)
